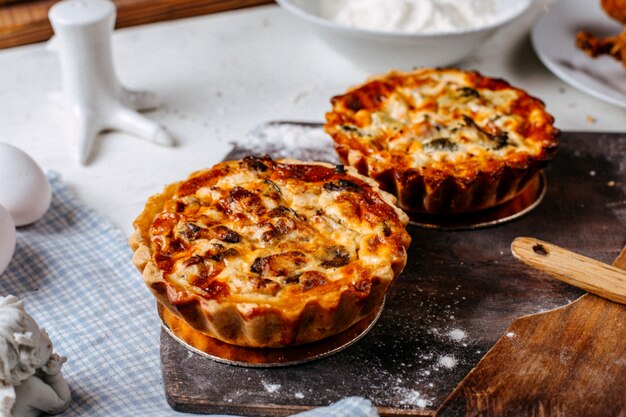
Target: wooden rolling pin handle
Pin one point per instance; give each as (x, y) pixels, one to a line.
(590, 275)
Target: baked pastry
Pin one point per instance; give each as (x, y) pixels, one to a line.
(443, 140)
(615, 45)
(616, 9)
(265, 253)
(594, 46)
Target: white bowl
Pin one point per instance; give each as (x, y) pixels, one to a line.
(378, 50)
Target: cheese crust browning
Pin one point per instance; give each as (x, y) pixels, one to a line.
(443, 140)
(265, 253)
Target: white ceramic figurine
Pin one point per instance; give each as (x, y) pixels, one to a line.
(31, 382)
(97, 99)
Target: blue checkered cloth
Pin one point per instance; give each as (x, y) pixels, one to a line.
(74, 272)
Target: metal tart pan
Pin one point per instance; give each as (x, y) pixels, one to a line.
(515, 208)
(222, 352)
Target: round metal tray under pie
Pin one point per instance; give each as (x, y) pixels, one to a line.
(262, 357)
(526, 201)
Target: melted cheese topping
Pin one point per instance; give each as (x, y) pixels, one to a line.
(448, 120)
(261, 231)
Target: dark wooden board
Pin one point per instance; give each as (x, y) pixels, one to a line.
(462, 280)
(26, 21)
(570, 361)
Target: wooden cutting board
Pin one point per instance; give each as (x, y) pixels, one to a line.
(457, 296)
(26, 21)
(567, 362)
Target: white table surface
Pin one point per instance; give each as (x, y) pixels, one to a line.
(218, 77)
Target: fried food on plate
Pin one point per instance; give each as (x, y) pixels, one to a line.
(614, 46)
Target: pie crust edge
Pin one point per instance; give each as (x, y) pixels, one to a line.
(443, 192)
(269, 326)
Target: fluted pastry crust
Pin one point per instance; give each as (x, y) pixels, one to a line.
(443, 140)
(265, 253)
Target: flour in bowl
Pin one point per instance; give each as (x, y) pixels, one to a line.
(412, 16)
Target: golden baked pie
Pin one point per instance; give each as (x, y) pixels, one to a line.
(265, 253)
(443, 140)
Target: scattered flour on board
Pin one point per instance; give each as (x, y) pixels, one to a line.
(285, 140)
(234, 396)
(447, 361)
(271, 388)
(408, 396)
(457, 334)
(510, 334)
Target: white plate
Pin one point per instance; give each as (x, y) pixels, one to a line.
(554, 40)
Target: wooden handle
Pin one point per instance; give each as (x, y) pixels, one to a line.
(577, 270)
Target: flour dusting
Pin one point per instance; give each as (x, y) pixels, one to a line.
(457, 334)
(447, 361)
(271, 388)
(286, 140)
(412, 397)
(411, 16)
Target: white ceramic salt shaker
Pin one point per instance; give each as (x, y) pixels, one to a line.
(97, 99)
(31, 382)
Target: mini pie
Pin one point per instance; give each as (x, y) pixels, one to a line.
(265, 253)
(443, 140)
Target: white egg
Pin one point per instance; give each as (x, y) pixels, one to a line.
(7, 238)
(24, 188)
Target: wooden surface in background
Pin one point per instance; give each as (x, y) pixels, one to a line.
(25, 22)
(463, 281)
